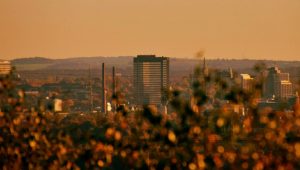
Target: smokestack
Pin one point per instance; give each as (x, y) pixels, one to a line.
(114, 87)
(103, 90)
(91, 91)
(114, 81)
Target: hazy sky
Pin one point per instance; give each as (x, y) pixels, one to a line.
(267, 29)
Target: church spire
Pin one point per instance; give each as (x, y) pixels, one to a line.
(205, 68)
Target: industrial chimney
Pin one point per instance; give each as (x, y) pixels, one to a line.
(103, 90)
(114, 81)
(114, 88)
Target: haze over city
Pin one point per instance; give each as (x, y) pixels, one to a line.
(255, 29)
(150, 84)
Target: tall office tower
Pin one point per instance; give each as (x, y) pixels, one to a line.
(246, 82)
(283, 89)
(277, 84)
(103, 90)
(151, 77)
(5, 67)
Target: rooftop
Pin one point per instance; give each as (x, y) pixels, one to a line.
(245, 76)
(149, 58)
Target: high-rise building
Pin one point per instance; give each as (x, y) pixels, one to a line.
(283, 89)
(151, 78)
(277, 84)
(5, 67)
(246, 82)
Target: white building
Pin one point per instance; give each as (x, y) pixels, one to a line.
(246, 82)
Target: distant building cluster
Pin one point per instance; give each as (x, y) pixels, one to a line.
(277, 91)
(277, 84)
(149, 83)
(275, 87)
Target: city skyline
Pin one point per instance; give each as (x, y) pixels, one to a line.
(149, 84)
(232, 29)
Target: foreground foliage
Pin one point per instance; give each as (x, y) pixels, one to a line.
(191, 137)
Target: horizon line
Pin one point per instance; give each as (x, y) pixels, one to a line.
(188, 58)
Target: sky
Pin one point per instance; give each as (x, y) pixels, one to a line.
(253, 29)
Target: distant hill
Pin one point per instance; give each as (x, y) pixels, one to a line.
(93, 62)
(33, 60)
(177, 65)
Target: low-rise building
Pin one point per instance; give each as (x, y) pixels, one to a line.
(5, 67)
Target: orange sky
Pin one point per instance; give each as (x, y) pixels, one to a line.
(267, 29)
